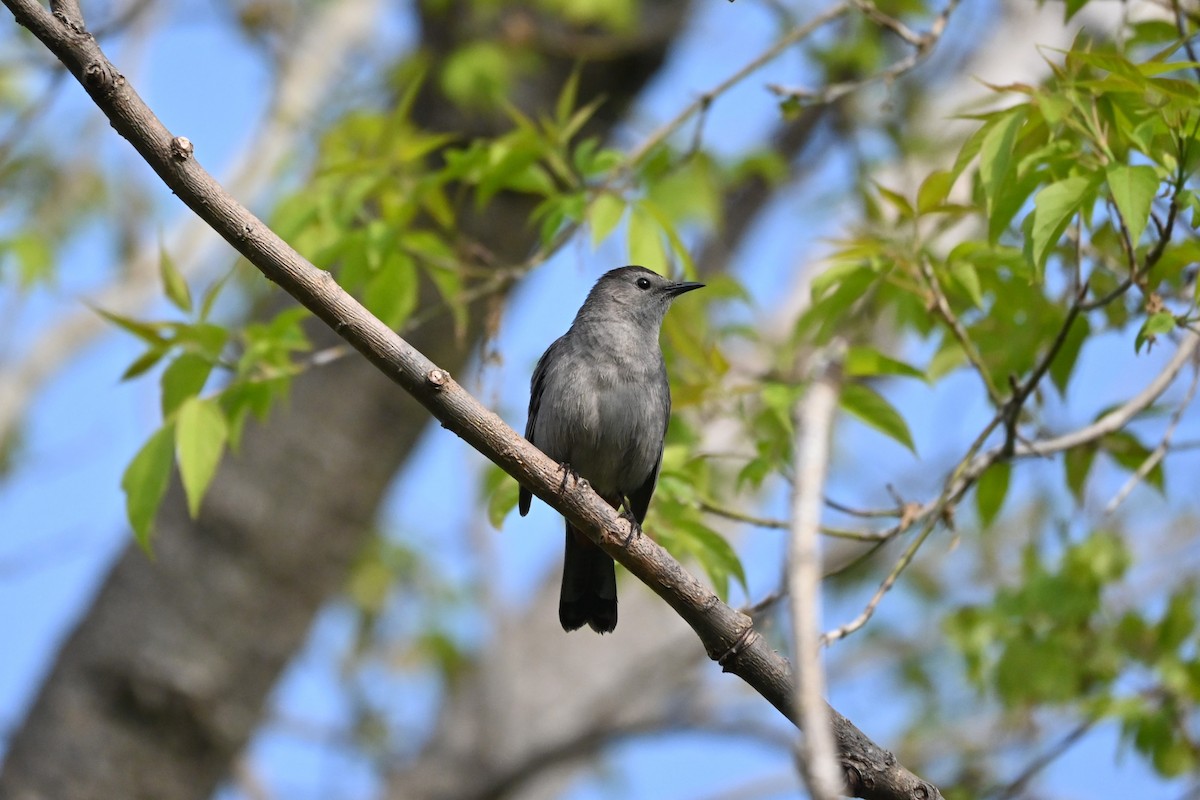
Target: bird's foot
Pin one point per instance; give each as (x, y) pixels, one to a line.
(568, 472)
(635, 527)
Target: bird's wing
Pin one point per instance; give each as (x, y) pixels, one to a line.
(537, 385)
(639, 499)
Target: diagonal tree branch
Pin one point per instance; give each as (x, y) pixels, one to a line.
(728, 636)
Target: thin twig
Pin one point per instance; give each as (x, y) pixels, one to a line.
(1015, 787)
(735, 515)
(1181, 27)
(741, 516)
(923, 46)
(942, 305)
(1159, 452)
(872, 12)
(864, 512)
(977, 461)
(702, 103)
(1022, 391)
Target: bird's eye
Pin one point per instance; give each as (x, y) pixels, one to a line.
(643, 283)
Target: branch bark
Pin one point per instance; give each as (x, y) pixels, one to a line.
(813, 417)
(728, 636)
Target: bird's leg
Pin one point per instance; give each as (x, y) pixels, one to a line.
(635, 527)
(568, 472)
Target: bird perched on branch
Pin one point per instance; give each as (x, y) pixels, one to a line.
(599, 403)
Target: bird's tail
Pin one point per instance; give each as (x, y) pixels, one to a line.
(589, 586)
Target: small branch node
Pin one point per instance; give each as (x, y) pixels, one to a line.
(438, 378)
(747, 638)
(182, 148)
(75, 26)
(99, 76)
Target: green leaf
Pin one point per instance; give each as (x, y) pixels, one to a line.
(501, 502)
(687, 193)
(173, 283)
(991, 491)
(568, 96)
(391, 293)
(1155, 325)
(1133, 190)
(200, 435)
(1077, 463)
(966, 276)
(1072, 7)
(863, 361)
(933, 190)
(713, 552)
(144, 363)
(145, 482)
(449, 286)
(1064, 363)
(211, 294)
(478, 75)
(1009, 199)
(33, 256)
(1129, 453)
(645, 241)
(677, 245)
(1054, 207)
(896, 200)
(603, 215)
(870, 407)
(149, 332)
(183, 378)
(995, 154)
(1178, 621)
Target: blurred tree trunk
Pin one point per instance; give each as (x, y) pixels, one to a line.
(164, 679)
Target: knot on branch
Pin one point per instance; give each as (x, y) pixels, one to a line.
(438, 378)
(181, 148)
(99, 77)
(740, 645)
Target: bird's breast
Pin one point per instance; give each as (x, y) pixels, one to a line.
(606, 418)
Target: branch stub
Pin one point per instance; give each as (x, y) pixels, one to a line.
(182, 148)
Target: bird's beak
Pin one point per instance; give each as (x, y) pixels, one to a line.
(676, 289)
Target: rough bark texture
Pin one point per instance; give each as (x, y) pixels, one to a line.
(164, 679)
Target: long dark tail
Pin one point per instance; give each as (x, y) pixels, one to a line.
(589, 586)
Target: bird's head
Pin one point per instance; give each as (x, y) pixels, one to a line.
(634, 293)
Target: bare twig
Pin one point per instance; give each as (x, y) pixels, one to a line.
(942, 306)
(1159, 452)
(1181, 27)
(923, 45)
(782, 525)
(977, 461)
(741, 516)
(1018, 785)
(814, 423)
(864, 512)
(704, 101)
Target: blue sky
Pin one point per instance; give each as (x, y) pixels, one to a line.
(61, 511)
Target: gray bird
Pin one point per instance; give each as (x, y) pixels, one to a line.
(599, 404)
